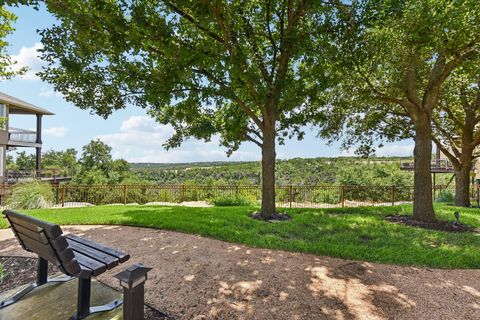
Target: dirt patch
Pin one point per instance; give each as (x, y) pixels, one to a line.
(277, 217)
(437, 225)
(200, 278)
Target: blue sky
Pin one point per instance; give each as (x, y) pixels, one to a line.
(130, 132)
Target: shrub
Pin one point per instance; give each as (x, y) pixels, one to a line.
(231, 201)
(31, 195)
(445, 197)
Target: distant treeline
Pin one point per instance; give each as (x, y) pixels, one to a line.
(298, 171)
(96, 166)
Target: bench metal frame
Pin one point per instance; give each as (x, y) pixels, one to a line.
(42, 278)
(73, 255)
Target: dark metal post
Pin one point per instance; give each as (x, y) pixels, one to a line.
(290, 195)
(63, 196)
(133, 282)
(42, 271)
(83, 298)
(342, 195)
(393, 195)
(182, 193)
(38, 154)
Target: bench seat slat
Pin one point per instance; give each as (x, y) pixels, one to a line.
(122, 256)
(108, 260)
(97, 267)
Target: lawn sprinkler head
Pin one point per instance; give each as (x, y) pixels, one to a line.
(457, 218)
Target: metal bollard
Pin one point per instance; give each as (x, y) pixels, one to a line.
(133, 282)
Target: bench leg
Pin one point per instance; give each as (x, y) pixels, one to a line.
(83, 298)
(83, 301)
(42, 271)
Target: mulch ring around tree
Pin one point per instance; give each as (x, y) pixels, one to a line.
(277, 217)
(18, 271)
(440, 225)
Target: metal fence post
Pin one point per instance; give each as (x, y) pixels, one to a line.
(57, 196)
(393, 195)
(182, 193)
(290, 195)
(63, 195)
(342, 195)
(478, 196)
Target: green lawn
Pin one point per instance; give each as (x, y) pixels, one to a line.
(352, 233)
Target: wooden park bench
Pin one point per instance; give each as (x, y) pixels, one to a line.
(73, 255)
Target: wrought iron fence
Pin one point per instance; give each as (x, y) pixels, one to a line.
(290, 196)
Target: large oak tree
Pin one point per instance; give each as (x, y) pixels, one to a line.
(400, 54)
(457, 126)
(241, 69)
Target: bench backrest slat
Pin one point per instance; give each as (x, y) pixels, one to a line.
(44, 239)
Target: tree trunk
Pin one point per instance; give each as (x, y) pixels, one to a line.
(422, 190)
(268, 173)
(462, 172)
(462, 185)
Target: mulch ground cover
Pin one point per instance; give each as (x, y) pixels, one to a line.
(437, 225)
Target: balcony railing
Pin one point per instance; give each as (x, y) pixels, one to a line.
(22, 135)
(14, 176)
(441, 165)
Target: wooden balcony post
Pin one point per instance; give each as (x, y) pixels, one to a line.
(38, 154)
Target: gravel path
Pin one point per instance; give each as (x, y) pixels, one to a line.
(200, 278)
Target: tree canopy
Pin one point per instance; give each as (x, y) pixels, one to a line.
(242, 69)
(6, 62)
(395, 59)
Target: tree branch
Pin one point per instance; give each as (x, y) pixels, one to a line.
(239, 101)
(446, 152)
(411, 81)
(183, 14)
(447, 135)
(250, 138)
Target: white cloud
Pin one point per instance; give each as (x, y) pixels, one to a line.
(49, 92)
(29, 57)
(141, 139)
(57, 132)
(396, 150)
(349, 153)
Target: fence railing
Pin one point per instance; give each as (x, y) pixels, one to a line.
(290, 196)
